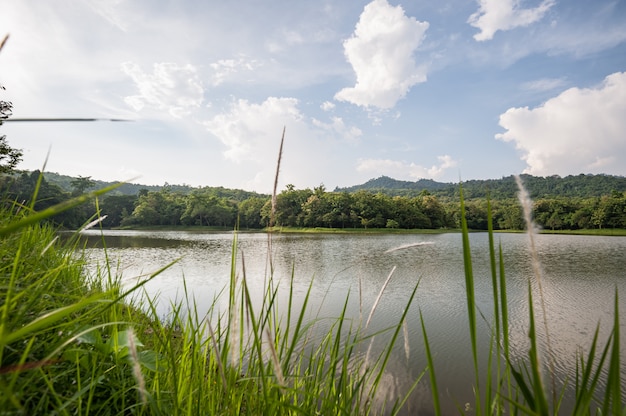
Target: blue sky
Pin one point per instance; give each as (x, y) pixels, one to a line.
(415, 89)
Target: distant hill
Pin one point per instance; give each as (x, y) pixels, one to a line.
(65, 183)
(387, 183)
(538, 187)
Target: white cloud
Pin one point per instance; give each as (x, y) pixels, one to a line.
(381, 54)
(327, 106)
(494, 15)
(248, 130)
(338, 127)
(401, 169)
(110, 10)
(251, 132)
(285, 40)
(580, 130)
(171, 87)
(225, 68)
(544, 84)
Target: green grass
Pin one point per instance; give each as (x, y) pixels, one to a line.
(72, 343)
(75, 344)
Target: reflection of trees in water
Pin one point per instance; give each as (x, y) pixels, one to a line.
(576, 287)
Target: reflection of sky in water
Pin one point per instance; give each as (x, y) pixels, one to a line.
(580, 274)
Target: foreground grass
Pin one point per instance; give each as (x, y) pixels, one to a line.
(76, 344)
(73, 344)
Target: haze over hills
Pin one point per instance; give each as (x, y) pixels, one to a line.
(539, 187)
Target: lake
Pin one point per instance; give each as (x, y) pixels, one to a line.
(580, 275)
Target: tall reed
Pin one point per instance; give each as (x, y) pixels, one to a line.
(72, 343)
(516, 385)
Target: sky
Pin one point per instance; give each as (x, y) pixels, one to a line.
(447, 90)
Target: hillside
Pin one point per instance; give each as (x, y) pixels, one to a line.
(65, 183)
(504, 188)
(539, 187)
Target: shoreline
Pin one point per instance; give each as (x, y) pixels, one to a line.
(615, 232)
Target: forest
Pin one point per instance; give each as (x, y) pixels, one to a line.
(572, 203)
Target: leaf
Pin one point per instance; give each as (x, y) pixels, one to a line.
(150, 360)
(45, 321)
(92, 338)
(123, 339)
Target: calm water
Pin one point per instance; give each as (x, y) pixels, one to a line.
(581, 274)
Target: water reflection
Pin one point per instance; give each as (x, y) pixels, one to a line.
(580, 276)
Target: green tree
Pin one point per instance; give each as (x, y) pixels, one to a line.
(158, 208)
(581, 218)
(476, 214)
(249, 211)
(434, 210)
(9, 157)
(508, 216)
(599, 215)
(615, 210)
(339, 210)
(314, 210)
(117, 208)
(392, 224)
(408, 214)
(373, 210)
(81, 184)
(289, 207)
(204, 207)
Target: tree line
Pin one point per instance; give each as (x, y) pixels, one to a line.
(228, 209)
(571, 186)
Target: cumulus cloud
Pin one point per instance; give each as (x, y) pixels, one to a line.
(494, 15)
(339, 128)
(381, 54)
(251, 132)
(248, 130)
(582, 130)
(170, 87)
(402, 169)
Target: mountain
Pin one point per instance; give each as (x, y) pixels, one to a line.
(539, 187)
(385, 182)
(572, 186)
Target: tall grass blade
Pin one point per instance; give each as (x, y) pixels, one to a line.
(46, 321)
(390, 344)
(613, 395)
(527, 206)
(275, 189)
(380, 295)
(504, 305)
(431, 369)
(539, 398)
(218, 359)
(470, 296)
(494, 276)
